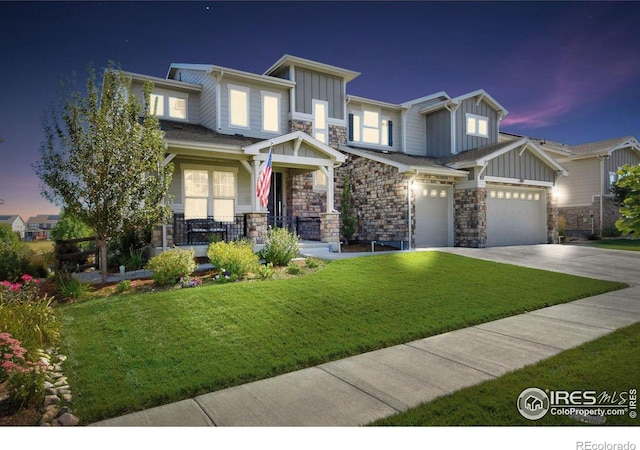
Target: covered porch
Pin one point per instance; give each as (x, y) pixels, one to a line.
(213, 189)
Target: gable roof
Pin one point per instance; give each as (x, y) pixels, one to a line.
(299, 137)
(407, 163)
(481, 155)
(44, 218)
(10, 218)
(187, 132)
(209, 68)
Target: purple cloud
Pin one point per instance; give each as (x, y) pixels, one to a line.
(582, 66)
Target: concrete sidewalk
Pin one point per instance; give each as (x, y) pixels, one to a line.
(357, 390)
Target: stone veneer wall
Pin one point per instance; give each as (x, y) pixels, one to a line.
(379, 198)
(256, 223)
(337, 133)
(330, 227)
(577, 219)
(470, 217)
(302, 199)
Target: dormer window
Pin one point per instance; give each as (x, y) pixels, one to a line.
(370, 127)
(477, 125)
(168, 105)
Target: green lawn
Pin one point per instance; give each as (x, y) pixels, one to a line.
(618, 244)
(611, 364)
(131, 352)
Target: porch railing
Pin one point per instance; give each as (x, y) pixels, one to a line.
(205, 231)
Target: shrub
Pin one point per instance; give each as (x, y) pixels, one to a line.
(265, 271)
(236, 258)
(169, 266)
(293, 269)
(26, 379)
(280, 246)
(27, 316)
(312, 263)
(70, 288)
(124, 286)
(16, 258)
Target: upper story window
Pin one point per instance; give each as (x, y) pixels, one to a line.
(370, 127)
(270, 112)
(238, 106)
(165, 105)
(320, 127)
(477, 125)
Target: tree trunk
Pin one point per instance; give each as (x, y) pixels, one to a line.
(102, 243)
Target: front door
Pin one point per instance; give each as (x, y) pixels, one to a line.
(276, 201)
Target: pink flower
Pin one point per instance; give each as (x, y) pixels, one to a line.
(26, 278)
(15, 287)
(6, 283)
(8, 356)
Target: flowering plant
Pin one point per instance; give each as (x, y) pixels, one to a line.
(17, 292)
(12, 358)
(187, 282)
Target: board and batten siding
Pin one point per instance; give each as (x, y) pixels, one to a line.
(312, 85)
(207, 101)
(415, 126)
(619, 158)
(255, 108)
(467, 142)
(438, 133)
(392, 115)
(525, 166)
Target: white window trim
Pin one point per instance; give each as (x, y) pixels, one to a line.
(210, 197)
(278, 96)
(246, 90)
(325, 130)
(381, 118)
(477, 120)
(165, 103)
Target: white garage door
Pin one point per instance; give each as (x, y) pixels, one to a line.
(434, 215)
(516, 216)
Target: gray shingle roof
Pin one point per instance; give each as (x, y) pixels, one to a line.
(180, 131)
(475, 154)
(598, 147)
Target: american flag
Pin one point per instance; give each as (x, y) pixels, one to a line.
(264, 180)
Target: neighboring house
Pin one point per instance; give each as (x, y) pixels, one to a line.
(39, 227)
(585, 198)
(16, 222)
(428, 172)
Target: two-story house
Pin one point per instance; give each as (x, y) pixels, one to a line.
(585, 199)
(39, 227)
(16, 223)
(428, 172)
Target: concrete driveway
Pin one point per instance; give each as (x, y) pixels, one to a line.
(582, 260)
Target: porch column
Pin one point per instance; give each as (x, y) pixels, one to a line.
(330, 192)
(256, 223)
(330, 227)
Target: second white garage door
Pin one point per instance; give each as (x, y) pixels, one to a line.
(434, 215)
(516, 216)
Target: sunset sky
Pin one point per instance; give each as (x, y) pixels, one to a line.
(568, 72)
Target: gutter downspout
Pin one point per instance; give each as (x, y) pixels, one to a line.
(409, 191)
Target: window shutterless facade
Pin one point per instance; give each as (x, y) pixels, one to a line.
(370, 127)
(166, 105)
(239, 106)
(320, 116)
(270, 112)
(209, 193)
(477, 125)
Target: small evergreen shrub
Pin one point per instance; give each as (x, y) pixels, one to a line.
(168, 267)
(265, 271)
(124, 286)
(280, 246)
(312, 263)
(293, 269)
(236, 258)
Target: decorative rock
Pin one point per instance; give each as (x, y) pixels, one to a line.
(47, 384)
(64, 410)
(50, 414)
(62, 358)
(67, 398)
(67, 420)
(51, 400)
(60, 382)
